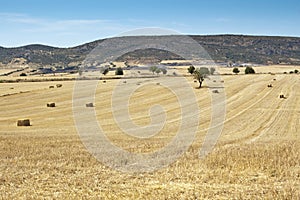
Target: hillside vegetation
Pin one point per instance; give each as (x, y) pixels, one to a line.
(222, 48)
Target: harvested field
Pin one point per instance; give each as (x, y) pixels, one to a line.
(256, 157)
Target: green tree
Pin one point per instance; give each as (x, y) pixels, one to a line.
(153, 69)
(119, 71)
(191, 69)
(249, 70)
(200, 74)
(236, 70)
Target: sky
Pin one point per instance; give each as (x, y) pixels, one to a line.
(68, 23)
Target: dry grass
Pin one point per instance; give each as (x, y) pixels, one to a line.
(257, 156)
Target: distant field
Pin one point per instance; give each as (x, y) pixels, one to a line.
(257, 155)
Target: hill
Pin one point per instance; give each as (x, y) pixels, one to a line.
(222, 48)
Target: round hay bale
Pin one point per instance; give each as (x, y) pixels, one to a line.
(89, 105)
(23, 122)
(58, 85)
(104, 81)
(51, 86)
(157, 83)
(215, 91)
(50, 104)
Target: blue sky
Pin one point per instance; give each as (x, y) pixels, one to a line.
(67, 23)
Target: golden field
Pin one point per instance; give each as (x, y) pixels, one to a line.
(257, 155)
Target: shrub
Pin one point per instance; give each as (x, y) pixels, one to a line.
(119, 71)
(191, 69)
(212, 70)
(249, 70)
(296, 71)
(236, 70)
(164, 71)
(104, 71)
(23, 74)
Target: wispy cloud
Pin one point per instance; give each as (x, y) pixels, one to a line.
(63, 32)
(18, 18)
(33, 24)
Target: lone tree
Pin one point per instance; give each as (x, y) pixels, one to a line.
(191, 69)
(119, 71)
(200, 74)
(249, 70)
(153, 69)
(236, 70)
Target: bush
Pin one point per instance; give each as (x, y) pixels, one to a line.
(212, 70)
(296, 71)
(236, 70)
(249, 70)
(119, 71)
(191, 69)
(23, 74)
(164, 71)
(104, 71)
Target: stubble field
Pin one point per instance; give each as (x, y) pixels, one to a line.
(257, 155)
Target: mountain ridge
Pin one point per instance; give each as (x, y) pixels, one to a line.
(222, 48)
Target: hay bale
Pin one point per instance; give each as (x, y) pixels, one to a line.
(50, 104)
(51, 86)
(274, 79)
(104, 81)
(215, 91)
(157, 83)
(89, 105)
(124, 81)
(270, 85)
(58, 85)
(23, 122)
(281, 96)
